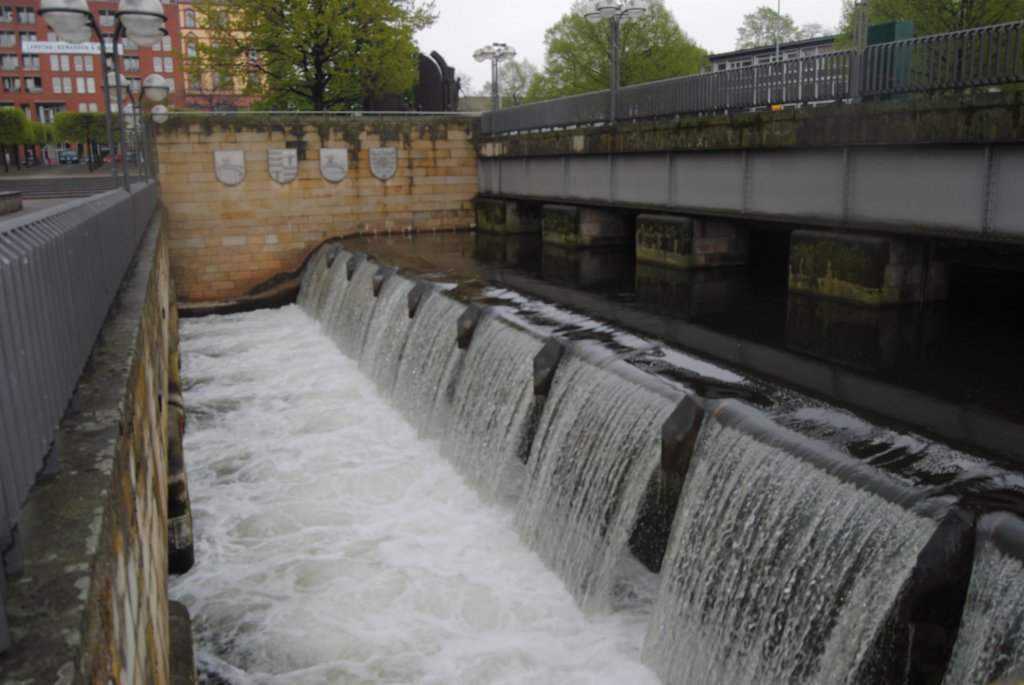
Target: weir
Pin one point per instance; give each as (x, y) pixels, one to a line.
(756, 553)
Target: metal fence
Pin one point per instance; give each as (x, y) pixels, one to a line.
(987, 56)
(59, 272)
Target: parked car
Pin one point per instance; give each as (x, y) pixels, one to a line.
(68, 157)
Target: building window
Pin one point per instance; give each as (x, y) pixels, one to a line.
(57, 85)
(9, 62)
(67, 84)
(8, 39)
(26, 15)
(6, 14)
(166, 43)
(82, 107)
(158, 65)
(107, 18)
(92, 107)
(168, 65)
(33, 84)
(80, 83)
(194, 83)
(27, 35)
(190, 19)
(191, 46)
(131, 63)
(30, 62)
(79, 64)
(12, 84)
(89, 63)
(90, 85)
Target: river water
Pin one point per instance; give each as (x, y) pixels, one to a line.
(333, 545)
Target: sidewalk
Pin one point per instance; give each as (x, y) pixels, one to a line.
(56, 171)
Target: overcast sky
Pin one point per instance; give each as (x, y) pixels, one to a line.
(465, 25)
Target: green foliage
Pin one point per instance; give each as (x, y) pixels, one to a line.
(80, 127)
(935, 16)
(764, 26)
(514, 79)
(14, 126)
(578, 58)
(312, 54)
(42, 133)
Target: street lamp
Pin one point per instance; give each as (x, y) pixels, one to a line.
(617, 12)
(496, 52)
(141, 21)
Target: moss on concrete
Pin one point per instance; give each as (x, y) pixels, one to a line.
(491, 214)
(986, 118)
(560, 225)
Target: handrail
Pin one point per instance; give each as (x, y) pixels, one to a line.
(985, 56)
(60, 270)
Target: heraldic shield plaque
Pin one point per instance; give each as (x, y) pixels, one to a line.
(284, 164)
(383, 162)
(334, 164)
(230, 166)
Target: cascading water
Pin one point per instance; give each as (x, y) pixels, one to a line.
(776, 571)
(387, 335)
(354, 311)
(488, 433)
(990, 644)
(597, 445)
(336, 547)
(428, 365)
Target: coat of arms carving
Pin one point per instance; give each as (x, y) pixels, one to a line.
(334, 164)
(229, 166)
(284, 164)
(383, 162)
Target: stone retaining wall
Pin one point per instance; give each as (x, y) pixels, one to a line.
(226, 239)
(91, 605)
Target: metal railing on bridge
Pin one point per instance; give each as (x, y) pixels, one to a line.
(60, 270)
(982, 57)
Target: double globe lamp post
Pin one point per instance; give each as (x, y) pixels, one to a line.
(496, 52)
(140, 21)
(617, 12)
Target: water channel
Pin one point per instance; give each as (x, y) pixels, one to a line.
(384, 494)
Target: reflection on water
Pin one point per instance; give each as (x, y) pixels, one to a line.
(956, 354)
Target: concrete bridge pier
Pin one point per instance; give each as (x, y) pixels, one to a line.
(495, 215)
(576, 226)
(863, 300)
(870, 270)
(687, 242)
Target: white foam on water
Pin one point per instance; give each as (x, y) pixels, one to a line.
(334, 546)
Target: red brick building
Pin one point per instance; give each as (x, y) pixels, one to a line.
(43, 79)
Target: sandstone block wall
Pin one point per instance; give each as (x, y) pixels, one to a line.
(226, 239)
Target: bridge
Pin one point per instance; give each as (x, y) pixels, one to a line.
(893, 172)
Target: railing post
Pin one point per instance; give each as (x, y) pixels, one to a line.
(855, 74)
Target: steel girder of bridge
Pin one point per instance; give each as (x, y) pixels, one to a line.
(971, 191)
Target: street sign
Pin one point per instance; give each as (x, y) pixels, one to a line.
(54, 47)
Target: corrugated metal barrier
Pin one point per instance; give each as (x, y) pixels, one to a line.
(59, 272)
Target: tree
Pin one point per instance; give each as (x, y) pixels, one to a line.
(935, 16)
(578, 58)
(764, 26)
(514, 79)
(87, 128)
(42, 134)
(15, 129)
(314, 54)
